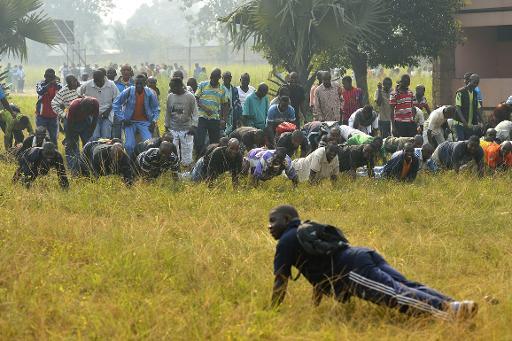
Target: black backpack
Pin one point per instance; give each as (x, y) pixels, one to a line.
(320, 239)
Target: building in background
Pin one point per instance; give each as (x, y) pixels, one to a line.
(486, 50)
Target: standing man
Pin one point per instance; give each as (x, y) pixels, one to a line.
(63, 98)
(312, 92)
(352, 98)
(126, 79)
(45, 116)
(105, 91)
(382, 96)
(297, 98)
(256, 108)
(328, 100)
(138, 109)
(235, 108)
(468, 109)
(245, 89)
(213, 104)
(402, 101)
(181, 119)
(81, 122)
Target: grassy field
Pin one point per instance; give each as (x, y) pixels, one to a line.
(175, 261)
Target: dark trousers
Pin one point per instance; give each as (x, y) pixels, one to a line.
(463, 134)
(74, 132)
(376, 281)
(385, 128)
(204, 127)
(405, 129)
(51, 125)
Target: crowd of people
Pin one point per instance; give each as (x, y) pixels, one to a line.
(111, 125)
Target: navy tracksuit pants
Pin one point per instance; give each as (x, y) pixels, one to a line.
(373, 279)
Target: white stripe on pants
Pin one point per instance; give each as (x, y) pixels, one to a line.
(401, 299)
(184, 143)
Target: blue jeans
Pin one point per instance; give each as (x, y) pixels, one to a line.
(74, 132)
(103, 129)
(198, 174)
(51, 125)
(129, 133)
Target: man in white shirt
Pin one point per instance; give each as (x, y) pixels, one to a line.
(366, 120)
(105, 91)
(433, 131)
(244, 90)
(321, 164)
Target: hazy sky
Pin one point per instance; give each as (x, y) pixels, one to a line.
(124, 10)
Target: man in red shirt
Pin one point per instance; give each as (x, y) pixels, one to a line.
(82, 117)
(45, 116)
(352, 99)
(402, 101)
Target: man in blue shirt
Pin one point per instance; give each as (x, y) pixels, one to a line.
(353, 271)
(138, 108)
(279, 113)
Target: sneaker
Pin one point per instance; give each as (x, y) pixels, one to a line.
(462, 310)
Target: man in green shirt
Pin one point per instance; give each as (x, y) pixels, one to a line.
(468, 109)
(13, 126)
(256, 107)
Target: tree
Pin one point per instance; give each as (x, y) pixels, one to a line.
(294, 34)
(417, 29)
(21, 20)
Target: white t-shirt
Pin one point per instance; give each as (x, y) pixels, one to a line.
(316, 161)
(436, 120)
(347, 131)
(368, 129)
(503, 130)
(242, 95)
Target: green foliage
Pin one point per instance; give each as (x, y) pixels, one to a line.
(21, 20)
(292, 33)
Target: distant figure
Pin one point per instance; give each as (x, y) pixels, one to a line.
(45, 116)
(352, 98)
(402, 101)
(256, 108)
(382, 96)
(468, 110)
(421, 100)
(328, 100)
(245, 89)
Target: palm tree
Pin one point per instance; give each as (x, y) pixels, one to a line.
(291, 32)
(21, 20)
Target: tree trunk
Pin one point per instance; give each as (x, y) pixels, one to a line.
(359, 62)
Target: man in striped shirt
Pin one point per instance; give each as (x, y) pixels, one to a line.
(402, 101)
(66, 95)
(213, 104)
(155, 161)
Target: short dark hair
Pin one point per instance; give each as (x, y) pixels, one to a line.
(286, 210)
(24, 120)
(474, 139)
(346, 79)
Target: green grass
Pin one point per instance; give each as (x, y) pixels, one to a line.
(177, 261)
